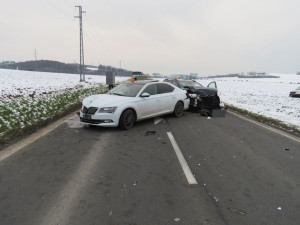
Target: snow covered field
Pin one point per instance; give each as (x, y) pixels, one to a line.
(264, 96)
(29, 98)
(16, 83)
(268, 97)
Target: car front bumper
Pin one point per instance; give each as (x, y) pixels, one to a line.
(294, 95)
(100, 119)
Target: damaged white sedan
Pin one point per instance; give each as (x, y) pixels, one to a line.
(130, 102)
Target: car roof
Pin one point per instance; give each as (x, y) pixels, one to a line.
(142, 81)
(179, 79)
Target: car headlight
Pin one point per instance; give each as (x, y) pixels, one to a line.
(193, 95)
(108, 109)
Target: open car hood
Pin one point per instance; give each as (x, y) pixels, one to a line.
(202, 91)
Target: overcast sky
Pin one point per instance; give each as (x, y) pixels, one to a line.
(166, 36)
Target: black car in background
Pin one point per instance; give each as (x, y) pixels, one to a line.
(202, 99)
(295, 93)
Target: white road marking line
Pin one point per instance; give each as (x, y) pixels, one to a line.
(282, 133)
(7, 152)
(186, 169)
(157, 120)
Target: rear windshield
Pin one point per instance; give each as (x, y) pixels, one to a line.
(189, 83)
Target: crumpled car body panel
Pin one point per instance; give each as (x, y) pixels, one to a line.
(207, 99)
(202, 91)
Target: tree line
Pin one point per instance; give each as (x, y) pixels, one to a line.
(59, 67)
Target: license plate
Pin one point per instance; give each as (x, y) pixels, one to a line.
(87, 117)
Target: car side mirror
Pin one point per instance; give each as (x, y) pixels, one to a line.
(145, 95)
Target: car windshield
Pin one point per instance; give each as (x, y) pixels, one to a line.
(127, 89)
(298, 88)
(185, 83)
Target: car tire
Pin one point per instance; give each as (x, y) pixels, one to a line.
(178, 109)
(127, 119)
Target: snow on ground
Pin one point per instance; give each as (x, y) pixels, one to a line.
(264, 96)
(16, 83)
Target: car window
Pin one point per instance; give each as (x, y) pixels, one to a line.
(196, 84)
(164, 88)
(186, 83)
(127, 89)
(174, 83)
(151, 89)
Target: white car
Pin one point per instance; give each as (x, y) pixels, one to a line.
(130, 102)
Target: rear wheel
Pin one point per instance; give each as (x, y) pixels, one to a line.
(178, 110)
(127, 119)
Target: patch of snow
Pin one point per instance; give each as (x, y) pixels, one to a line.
(265, 96)
(17, 83)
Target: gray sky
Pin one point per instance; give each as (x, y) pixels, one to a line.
(166, 36)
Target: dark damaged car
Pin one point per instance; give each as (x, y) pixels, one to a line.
(202, 99)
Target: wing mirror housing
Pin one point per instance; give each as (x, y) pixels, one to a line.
(145, 95)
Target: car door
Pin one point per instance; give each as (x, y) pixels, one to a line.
(149, 106)
(212, 85)
(167, 97)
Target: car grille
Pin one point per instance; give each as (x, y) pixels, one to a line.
(211, 102)
(91, 121)
(90, 110)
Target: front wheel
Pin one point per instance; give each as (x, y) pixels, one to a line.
(127, 119)
(178, 110)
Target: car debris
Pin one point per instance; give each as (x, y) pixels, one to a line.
(150, 132)
(237, 211)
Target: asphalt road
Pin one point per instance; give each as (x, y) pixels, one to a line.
(245, 174)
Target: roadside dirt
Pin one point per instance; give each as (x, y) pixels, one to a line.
(17, 135)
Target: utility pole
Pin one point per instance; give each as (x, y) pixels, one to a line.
(82, 76)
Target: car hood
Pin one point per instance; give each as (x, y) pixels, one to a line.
(105, 100)
(202, 91)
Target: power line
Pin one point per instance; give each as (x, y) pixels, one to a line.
(58, 9)
(82, 76)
